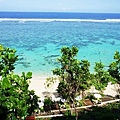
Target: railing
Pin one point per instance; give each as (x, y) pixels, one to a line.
(52, 112)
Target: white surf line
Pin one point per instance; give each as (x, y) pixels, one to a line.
(22, 20)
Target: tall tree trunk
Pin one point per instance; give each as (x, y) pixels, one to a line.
(76, 114)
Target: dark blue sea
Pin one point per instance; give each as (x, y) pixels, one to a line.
(39, 36)
(59, 15)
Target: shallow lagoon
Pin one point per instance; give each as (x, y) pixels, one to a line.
(38, 44)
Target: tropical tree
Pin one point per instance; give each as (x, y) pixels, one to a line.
(14, 94)
(74, 74)
(101, 77)
(114, 70)
(16, 100)
(114, 67)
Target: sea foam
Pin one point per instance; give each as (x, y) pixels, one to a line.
(59, 20)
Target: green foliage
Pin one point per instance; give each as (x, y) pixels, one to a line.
(48, 104)
(50, 81)
(74, 74)
(32, 102)
(14, 94)
(7, 60)
(62, 89)
(109, 112)
(114, 67)
(16, 101)
(101, 77)
(67, 113)
(48, 101)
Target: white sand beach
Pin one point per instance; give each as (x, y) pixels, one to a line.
(38, 84)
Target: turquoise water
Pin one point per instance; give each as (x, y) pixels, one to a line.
(38, 44)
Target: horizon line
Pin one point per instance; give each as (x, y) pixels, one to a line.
(62, 12)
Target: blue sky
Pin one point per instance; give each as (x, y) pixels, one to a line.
(101, 6)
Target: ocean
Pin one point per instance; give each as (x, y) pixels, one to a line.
(39, 36)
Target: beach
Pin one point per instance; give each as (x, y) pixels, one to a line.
(38, 85)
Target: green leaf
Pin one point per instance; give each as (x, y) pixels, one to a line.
(1, 48)
(29, 75)
(6, 83)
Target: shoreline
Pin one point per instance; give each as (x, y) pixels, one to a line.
(36, 75)
(37, 83)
